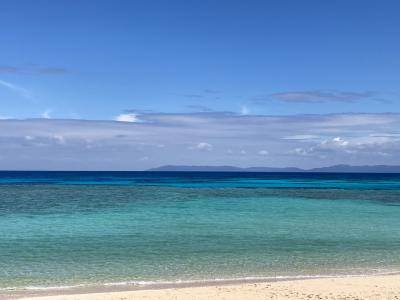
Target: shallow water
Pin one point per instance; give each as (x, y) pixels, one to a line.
(91, 228)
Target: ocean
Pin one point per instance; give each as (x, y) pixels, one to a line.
(66, 229)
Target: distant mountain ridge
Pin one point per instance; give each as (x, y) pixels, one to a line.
(331, 169)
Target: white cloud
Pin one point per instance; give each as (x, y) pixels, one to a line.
(301, 137)
(46, 114)
(64, 144)
(59, 139)
(127, 117)
(29, 138)
(203, 146)
(337, 141)
(372, 145)
(300, 151)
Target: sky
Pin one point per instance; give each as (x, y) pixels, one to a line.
(130, 85)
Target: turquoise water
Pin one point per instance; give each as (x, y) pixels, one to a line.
(66, 229)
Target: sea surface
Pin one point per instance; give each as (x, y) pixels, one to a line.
(61, 229)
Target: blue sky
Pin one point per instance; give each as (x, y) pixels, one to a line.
(132, 60)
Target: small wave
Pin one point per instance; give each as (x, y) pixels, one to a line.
(205, 281)
(179, 282)
(37, 288)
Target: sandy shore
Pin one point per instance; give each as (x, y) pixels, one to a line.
(368, 287)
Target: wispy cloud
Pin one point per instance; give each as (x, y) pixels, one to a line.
(204, 94)
(212, 91)
(193, 96)
(318, 96)
(8, 69)
(203, 146)
(32, 69)
(244, 110)
(52, 71)
(129, 117)
(199, 108)
(15, 88)
(301, 137)
(46, 114)
(201, 139)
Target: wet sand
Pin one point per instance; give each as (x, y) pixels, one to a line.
(350, 288)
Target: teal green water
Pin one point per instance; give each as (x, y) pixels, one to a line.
(178, 227)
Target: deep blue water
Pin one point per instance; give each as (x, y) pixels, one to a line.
(71, 228)
(207, 179)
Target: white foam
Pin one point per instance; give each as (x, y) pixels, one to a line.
(35, 288)
(143, 283)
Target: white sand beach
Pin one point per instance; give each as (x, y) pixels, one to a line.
(349, 288)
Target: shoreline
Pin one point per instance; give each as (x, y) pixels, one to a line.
(255, 286)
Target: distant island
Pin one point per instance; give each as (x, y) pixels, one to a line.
(331, 169)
